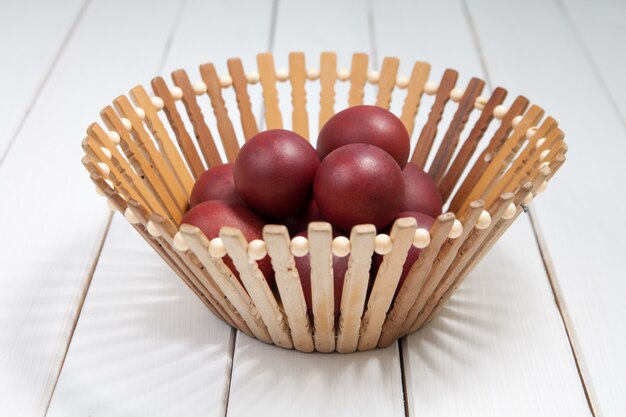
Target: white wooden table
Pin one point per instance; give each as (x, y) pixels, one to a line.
(93, 323)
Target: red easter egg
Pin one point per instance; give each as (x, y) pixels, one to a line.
(274, 173)
(211, 216)
(420, 192)
(217, 183)
(365, 124)
(340, 266)
(359, 184)
(300, 221)
(424, 221)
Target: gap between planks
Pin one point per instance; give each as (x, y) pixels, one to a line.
(586, 386)
(567, 325)
(44, 80)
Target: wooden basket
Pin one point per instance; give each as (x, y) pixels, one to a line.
(145, 159)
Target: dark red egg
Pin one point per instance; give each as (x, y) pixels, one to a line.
(211, 216)
(340, 266)
(274, 173)
(424, 221)
(365, 124)
(217, 183)
(299, 222)
(420, 192)
(359, 184)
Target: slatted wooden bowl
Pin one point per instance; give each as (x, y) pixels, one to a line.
(149, 150)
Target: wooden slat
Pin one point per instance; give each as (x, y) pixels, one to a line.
(167, 148)
(204, 137)
(415, 89)
(451, 138)
(289, 286)
(449, 181)
(185, 144)
(355, 286)
(322, 285)
(267, 72)
(297, 75)
(240, 84)
(328, 77)
(144, 142)
(224, 125)
(429, 131)
(358, 77)
(480, 165)
(386, 282)
(257, 286)
(387, 81)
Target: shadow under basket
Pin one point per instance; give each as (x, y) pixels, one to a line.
(150, 149)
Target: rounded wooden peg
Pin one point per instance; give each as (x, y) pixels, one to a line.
(343, 74)
(500, 111)
(127, 124)
(252, 77)
(421, 238)
(157, 102)
(341, 246)
(140, 113)
(114, 136)
(152, 229)
(176, 92)
(456, 95)
(226, 81)
(382, 244)
(282, 74)
(106, 152)
(531, 132)
(540, 143)
(544, 154)
(257, 249)
(199, 87)
(179, 242)
(216, 248)
(431, 88)
(313, 73)
(516, 121)
(402, 81)
(104, 167)
(510, 211)
(484, 221)
(130, 216)
(457, 229)
(299, 246)
(373, 76)
(480, 103)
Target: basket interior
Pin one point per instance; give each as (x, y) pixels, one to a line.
(488, 158)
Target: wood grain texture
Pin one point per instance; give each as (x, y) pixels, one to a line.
(240, 84)
(592, 308)
(40, 297)
(185, 144)
(386, 282)
(322, 285)
(224, 125)
(328, 77)
(518, 107)
(297, 76)
(358, 78)
(32, 57)
(449, 181)
(415, 89)
(387, 81)
(267, 72)
(450, 140)
(429, 131)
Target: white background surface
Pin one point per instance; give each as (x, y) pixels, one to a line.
(93, 323)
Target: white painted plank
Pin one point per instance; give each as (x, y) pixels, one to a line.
(164, 353)
(586, 255)
(601, 26)
(271, 381)
(499, 347)
(50, 217)
(144, 345)
(267, 380)
(32, 33)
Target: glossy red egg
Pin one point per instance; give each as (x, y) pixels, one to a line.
(211, 216)
(359, 184)
(424, 221)
(274, 173)
(217, 183)
(420, 192)
(340, 266)
(365, 124)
